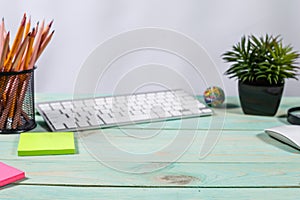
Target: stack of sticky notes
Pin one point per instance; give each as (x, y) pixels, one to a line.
(9, 174)
(46, 143)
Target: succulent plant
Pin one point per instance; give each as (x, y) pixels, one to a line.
(262, 60)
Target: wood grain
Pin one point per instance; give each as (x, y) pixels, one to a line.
(165, 160)
(96, 193)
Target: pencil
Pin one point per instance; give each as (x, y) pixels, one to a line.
(12, 102)
(17, 118)
(1, 107)
(26, 32)
(19, 55)
(22, 35)
(4, 51)
(27, 28)
(13, 94)
(44, 44)
(17, 40)
(2, 36)
(8, 83)
(11, 89)
(3, 81)
(36, 45)
(46, 31)
(3, 26)
(29, 50)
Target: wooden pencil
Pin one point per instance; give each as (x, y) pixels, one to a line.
(12, 102)
(2, 36)
(4, 51)
(44, 44)
(29, 50)
(27, 28)
(46, 31)
(17, 117)
(22, 35)
(11, 88)
(26, 34)
(17, 40)
(3, 79)
(19, 55)
(36, 45)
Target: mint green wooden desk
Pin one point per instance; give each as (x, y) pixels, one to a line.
(245, 163)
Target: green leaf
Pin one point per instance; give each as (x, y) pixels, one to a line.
(263, 58)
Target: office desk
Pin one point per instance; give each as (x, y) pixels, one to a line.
(244, 163)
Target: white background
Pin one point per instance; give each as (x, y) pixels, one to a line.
(80, 26)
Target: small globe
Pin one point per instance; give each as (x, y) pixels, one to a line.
(214, 96)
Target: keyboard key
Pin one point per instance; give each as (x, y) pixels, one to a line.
(67, 104)
(196, 111)
(58, 125)
(108, 120)
(207, 110)
(89, 102)
(70, 125)
(56, 106)
(78, 104)
(175, 113)
(45, 107)
(95, 121)
(82, 124)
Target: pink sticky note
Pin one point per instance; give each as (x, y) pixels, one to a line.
(9, 174)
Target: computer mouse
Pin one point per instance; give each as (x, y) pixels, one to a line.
(289, 134)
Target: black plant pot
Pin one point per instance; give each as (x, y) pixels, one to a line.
(260, 99)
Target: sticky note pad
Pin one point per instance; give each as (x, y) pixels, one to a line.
(9, 174)
(46, 143)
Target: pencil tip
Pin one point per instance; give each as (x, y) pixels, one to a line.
(33, 32)
(23, 20)
(50, 24)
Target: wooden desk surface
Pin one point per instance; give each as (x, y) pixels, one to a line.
(165, 161)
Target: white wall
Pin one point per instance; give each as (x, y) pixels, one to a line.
(216, 24)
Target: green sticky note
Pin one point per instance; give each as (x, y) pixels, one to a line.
(46, 143)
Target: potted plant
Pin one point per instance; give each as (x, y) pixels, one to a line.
(261, 65)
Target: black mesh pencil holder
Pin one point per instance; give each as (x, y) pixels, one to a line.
(17, 101)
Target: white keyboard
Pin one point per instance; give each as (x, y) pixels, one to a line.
(110, 111)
